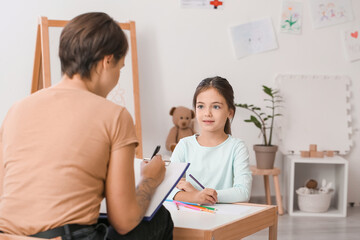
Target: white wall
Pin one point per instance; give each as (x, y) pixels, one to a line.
(179, 47)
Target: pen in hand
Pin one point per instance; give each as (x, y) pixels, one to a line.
(157, 149)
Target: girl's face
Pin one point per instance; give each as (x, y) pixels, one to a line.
(212, 111)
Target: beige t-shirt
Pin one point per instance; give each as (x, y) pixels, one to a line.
(56, 146)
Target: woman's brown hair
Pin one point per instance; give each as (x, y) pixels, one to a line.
(87, 39)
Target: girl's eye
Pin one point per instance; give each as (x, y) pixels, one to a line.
(216, 107)
(200, 106)
(181, 117)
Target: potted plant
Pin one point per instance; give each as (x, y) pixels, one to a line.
(265, 153)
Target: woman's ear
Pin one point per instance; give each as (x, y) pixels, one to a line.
(107, 61)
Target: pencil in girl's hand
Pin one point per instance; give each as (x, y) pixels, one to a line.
(196, 181)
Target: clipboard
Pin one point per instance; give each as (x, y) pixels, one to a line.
(173, 174)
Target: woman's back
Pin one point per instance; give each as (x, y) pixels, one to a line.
(58, 143)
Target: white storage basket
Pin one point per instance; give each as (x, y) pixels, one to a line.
(317, 202)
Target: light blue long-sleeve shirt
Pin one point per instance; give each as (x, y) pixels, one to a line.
(224, 167)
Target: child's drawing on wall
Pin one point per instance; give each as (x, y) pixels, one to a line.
(351, 40)
(330, 12)
(291, 16)
(253, 37)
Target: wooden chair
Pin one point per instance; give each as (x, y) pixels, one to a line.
(275, 172)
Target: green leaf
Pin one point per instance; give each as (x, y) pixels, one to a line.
(255, 121)
(268, 91)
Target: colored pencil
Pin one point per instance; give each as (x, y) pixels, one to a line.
(194, 204)
(196, 207)
(189, 206)
(196, 181)
(205, 209)
(189, 203)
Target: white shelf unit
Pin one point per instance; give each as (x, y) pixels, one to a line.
(334, 169)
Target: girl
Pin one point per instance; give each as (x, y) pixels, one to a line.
(217, 160)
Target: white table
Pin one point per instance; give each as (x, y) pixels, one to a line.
(231, 221)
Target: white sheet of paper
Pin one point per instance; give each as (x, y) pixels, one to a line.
(253, 37)
(173, 174)
(291, 17)
(329, 12)
(351, 41)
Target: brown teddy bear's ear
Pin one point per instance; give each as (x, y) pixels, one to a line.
(172, 110)
(192, 114)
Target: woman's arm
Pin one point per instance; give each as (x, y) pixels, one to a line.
(126, 205)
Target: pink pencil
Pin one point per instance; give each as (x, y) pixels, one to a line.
(194, 207)
(188, 206)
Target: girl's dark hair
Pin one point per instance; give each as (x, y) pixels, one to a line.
(87, 39)
(224, 88)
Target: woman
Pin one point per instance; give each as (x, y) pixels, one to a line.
(66, 147)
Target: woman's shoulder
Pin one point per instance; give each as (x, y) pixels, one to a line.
(77, 98)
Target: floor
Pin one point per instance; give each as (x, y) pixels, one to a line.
(319, 228)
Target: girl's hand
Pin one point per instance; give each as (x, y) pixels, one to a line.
(185, 186)
(206, 196)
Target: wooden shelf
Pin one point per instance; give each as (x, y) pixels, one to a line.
(298, 170)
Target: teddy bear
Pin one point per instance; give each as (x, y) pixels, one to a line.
(182, 119)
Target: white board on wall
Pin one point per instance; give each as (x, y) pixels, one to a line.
(316, 110)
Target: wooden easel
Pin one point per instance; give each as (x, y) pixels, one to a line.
(41, 72)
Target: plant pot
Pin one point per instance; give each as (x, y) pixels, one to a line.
(265, 156)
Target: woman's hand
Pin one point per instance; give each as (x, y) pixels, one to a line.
(153, 170)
